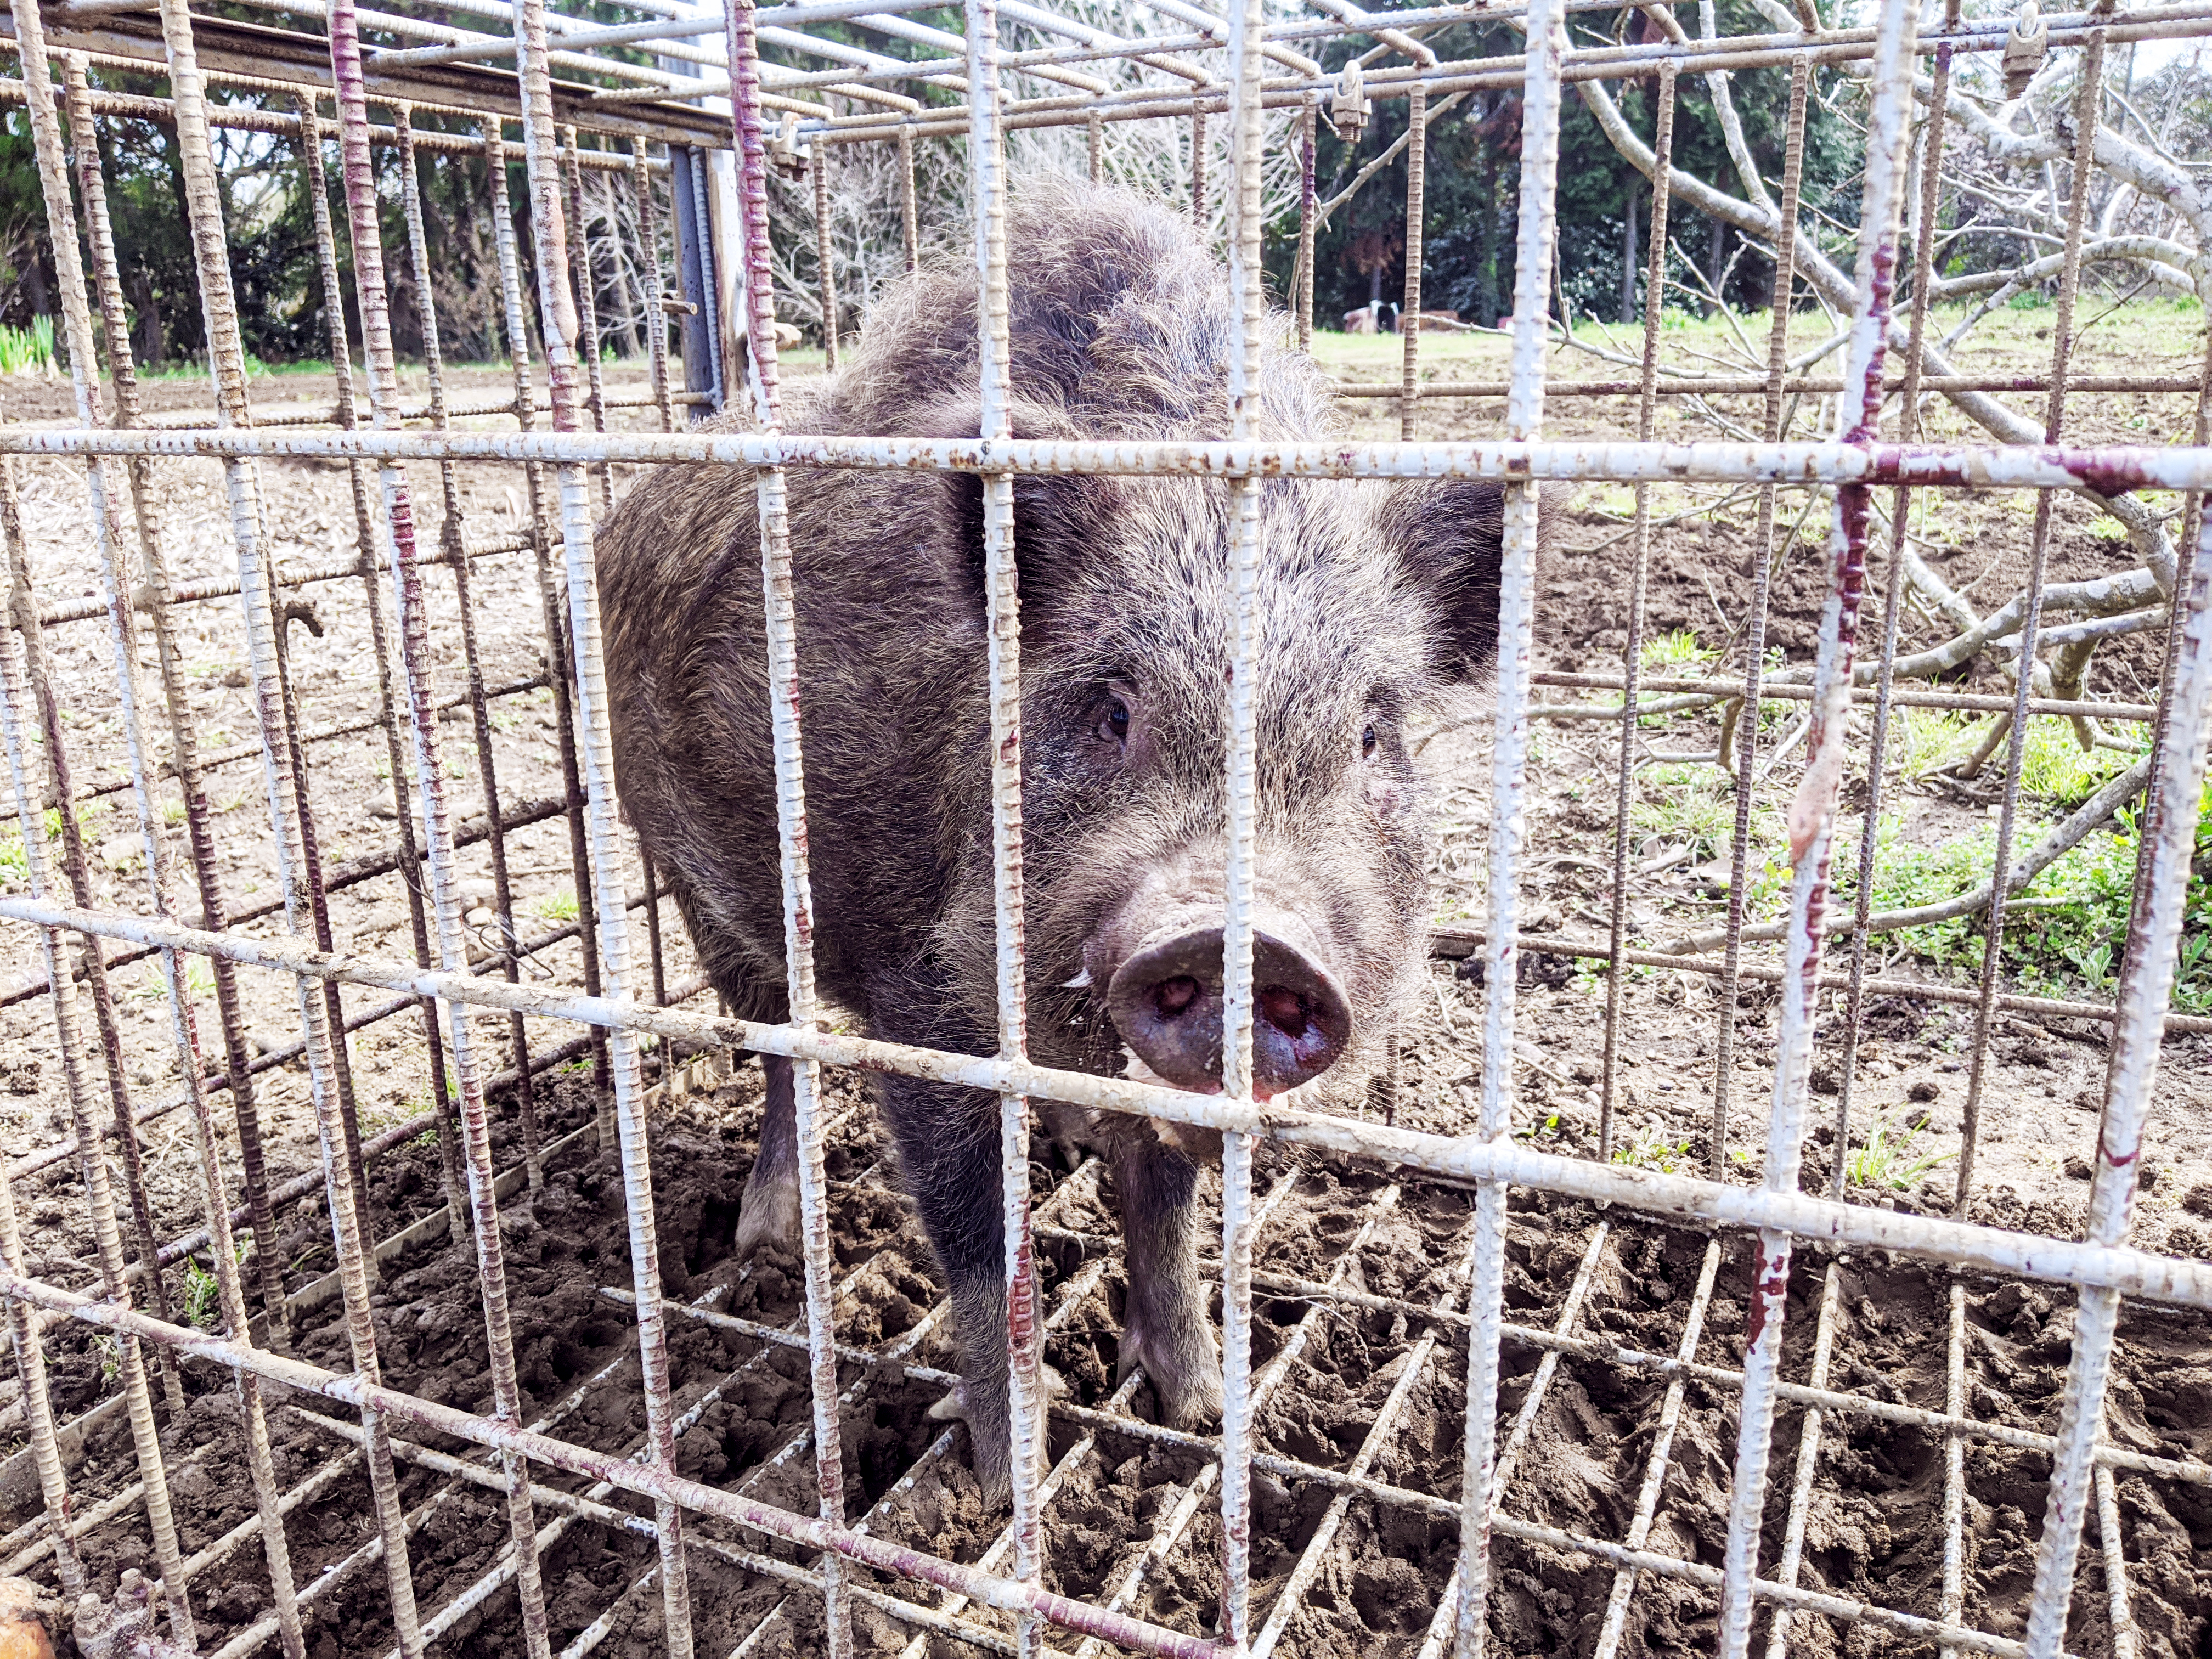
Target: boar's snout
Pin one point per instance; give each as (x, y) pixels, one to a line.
(1166, 1002)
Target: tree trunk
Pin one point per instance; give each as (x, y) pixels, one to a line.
(1628, 259)
(1486, 231)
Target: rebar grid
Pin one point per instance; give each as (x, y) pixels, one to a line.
(1010, 1577)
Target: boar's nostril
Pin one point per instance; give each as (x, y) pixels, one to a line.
(1284, 1008)
(1175, 994)
(1166, 1003)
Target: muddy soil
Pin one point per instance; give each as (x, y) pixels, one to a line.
(1873, 1529)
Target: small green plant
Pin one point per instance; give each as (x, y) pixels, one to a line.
(109, 1347)
(203, 1295)
(1686, 802)
(1676, 650)
(558, 906)
(1650, 1148)
(1892, 1158)
(27, 351)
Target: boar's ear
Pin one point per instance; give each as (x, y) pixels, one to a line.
(1447, 536)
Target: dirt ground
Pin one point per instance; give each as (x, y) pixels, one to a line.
(1874, 1529)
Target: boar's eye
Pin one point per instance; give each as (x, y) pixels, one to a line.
(1113, 724)
(1367, 743)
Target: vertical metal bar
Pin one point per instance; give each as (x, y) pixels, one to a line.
(987, 192)
(1094, 145)
(2088, 115)
(99, 1204)
(710, 287)
(2155, 931)
(1746, 714)
(53, 170)
(1954, 1459)
(410, 869)
(437, 829)
(781, 622)
(2116, 1564)
(1308, 123)
(1812, 814)
(597, 754)
(1924, 268)
(1524, 417)
(1409, 314)
(2146, 986)
(256, 584)
(587, 308)
(656, 318)
(909, 221)
(455, 545)
(1247, 23)
(23, 1324)
(1655, 286)
(1198, 168)
(825, 257)
(556, 638)
(61, 787)
(182, 723)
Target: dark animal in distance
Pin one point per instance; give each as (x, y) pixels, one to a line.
(1377, 603)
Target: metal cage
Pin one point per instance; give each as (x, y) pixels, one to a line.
(624, 1010)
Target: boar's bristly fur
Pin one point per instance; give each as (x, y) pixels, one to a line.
(1377, 604)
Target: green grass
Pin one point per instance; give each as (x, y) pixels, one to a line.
(1892, 1157)
(203, 1295)
(1676, 651)
(1650, 1149)
(27, 351)
(557, 907)
(2066, 935)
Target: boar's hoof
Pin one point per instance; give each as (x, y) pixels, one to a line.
(1184, 1370)
(768, 1215)
(989, 1430)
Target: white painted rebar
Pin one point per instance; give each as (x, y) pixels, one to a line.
(2145, 992)
(1811, 821)
(1508, 764)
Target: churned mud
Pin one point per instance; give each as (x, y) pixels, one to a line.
(1133, 1519)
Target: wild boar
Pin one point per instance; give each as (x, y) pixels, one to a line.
(1378, 605)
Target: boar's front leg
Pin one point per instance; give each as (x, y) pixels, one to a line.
(1167, 1327)
(948, 1147)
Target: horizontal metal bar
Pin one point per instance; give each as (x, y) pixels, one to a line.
(1779, 690)
(1685, 385)
(2109, 471)
(2131, 1271)
(1458, 942)
(219, 587)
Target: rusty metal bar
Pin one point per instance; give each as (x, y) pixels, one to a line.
(1631, 662)
(1745, 728)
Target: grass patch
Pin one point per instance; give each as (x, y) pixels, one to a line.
(1651, 1148)
(2065, 935)
(27, 351)
(1677, 651)
(1892, 1158)
(557, 907)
